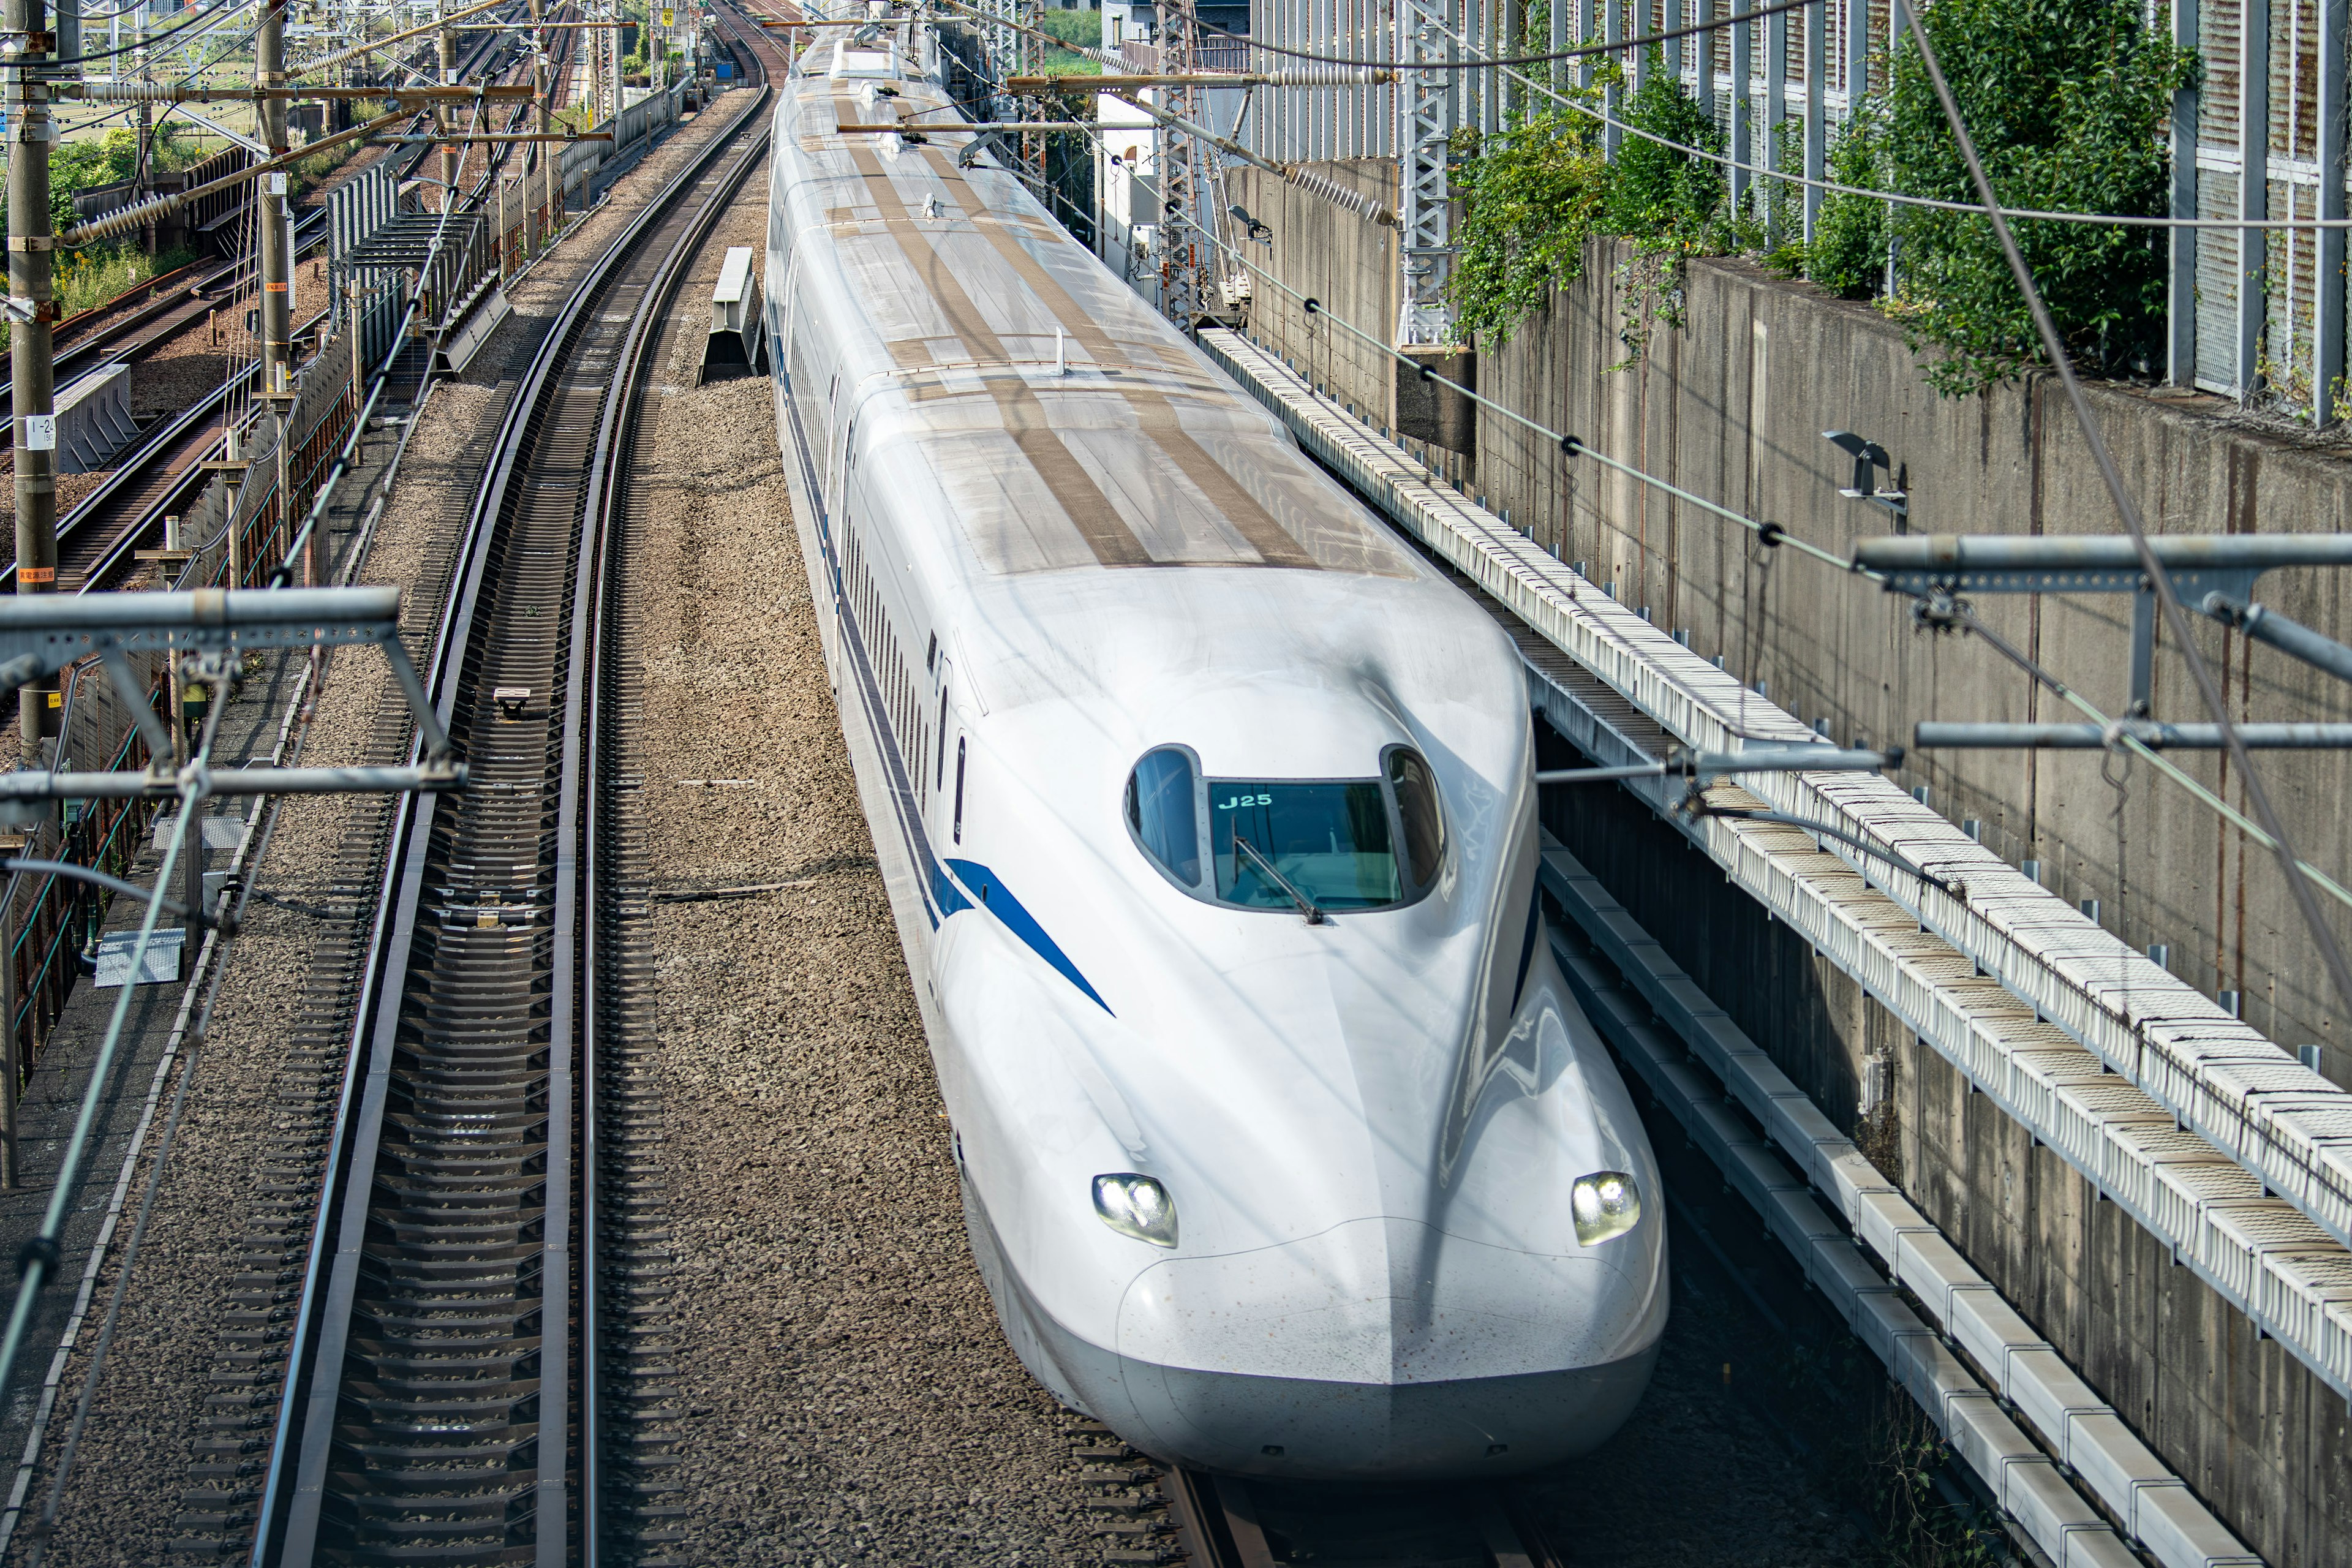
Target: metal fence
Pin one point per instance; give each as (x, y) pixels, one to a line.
(2258, 315)
(238, 532)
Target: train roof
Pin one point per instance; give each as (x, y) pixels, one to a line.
(1068, 423)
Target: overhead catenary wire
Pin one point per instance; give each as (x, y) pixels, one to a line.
(2176, 619)
(43, 1254)
(1932, 203)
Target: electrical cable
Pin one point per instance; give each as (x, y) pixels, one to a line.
(1967, 617)
(1581, 51)
(46, 1523)
(2176, 619)
(41, 1256)
(205, 21)
(1931, 204)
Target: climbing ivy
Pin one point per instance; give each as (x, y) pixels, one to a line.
(1533, 195)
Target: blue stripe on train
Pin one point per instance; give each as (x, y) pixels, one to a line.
(1017, 920)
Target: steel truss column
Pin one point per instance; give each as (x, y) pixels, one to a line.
(1183, 292)
(1425, 247)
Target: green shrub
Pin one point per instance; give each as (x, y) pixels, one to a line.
(1848, 253)
(1532, 196)
(2067, 101)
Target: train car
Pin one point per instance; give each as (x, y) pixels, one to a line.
(1207, 814)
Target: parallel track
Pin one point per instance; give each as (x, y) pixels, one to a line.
(160, 474)
(475, 1376)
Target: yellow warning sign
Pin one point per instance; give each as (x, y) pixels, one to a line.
(669, 17)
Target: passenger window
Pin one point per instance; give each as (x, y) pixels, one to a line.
(1420, 815)
(1162, 810)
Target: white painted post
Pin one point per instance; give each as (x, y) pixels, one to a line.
(1776, 116)
(1743, 107)
(2253, 189)
(1817, 109)
(1613, 32)
(1559, 43)
(2328, 325)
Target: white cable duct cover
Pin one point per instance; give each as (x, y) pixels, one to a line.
(2038, 1057)
(2068, 1418)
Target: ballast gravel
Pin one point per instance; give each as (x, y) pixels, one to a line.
(849, 1396)
(133, 1464)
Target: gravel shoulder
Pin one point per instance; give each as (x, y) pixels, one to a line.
(849, 1395)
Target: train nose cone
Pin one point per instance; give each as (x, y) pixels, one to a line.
(1383, 1347)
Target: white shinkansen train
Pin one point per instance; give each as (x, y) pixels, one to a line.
(1207, 814)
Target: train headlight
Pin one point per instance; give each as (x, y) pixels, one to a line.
(1606, 1204)
(1138, 1207)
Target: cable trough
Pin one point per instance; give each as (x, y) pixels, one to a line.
(473, 1376)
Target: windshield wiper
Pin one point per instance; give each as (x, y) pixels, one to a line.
(1306, 905)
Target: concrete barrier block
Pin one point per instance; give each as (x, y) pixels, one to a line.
(1987, 1328)
(1931, 1267)
(1982, 1434)
(93, 413)
(1883, 1321)
(2036, 1496)
(2111, 1461)
(1840, 1271)
(2048, 1395)
(1850, 1176)
(1881, 1215)
(2179, 1532)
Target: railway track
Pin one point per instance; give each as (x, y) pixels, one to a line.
(1153, 1513)
(475, 1367)
(162, 472)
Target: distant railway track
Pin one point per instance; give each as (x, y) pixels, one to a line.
(161, 473)
(472, 1375)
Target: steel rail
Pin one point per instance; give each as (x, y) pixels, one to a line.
(1220, 1521)
(294, 1501)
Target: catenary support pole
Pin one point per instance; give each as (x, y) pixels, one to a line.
(450, 153)
(270, 207)
(32, 365)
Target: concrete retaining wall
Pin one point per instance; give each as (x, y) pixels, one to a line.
(2263, 1443)
(1732, 406)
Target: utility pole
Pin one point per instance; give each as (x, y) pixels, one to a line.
(450, 155)
(277, 261)
(32, 367)
(545, 154)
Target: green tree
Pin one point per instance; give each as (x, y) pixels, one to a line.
(1660, 192)
(2066, 101)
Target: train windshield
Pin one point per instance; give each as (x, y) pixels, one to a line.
(1329, 841)
(1266, 844)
